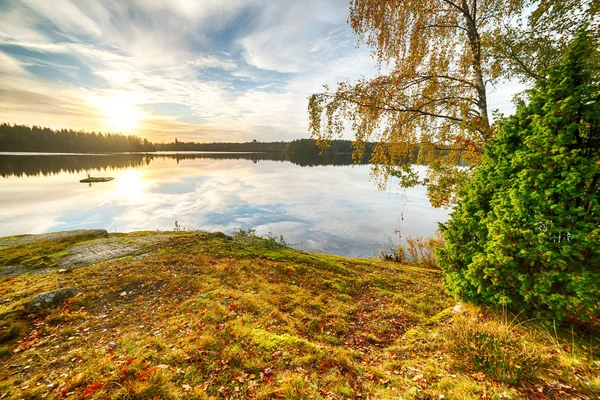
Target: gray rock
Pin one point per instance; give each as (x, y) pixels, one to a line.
(94, 251)
(51, 299)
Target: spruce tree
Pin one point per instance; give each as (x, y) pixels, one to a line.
(526, 232)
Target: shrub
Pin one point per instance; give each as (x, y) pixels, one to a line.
(526, 232)
(249, 238)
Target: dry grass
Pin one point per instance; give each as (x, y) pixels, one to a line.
(206, 317)
(419, 250)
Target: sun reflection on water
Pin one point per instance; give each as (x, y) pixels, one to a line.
(130, 185)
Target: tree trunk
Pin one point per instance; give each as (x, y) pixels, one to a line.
(475, 44)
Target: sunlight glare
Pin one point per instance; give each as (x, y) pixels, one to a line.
(121, 112)
(130, 185)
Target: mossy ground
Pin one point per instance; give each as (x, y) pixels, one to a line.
(205, 316)
(41, 254)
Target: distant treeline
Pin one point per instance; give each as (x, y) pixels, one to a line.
(336, 146)
(35, 165)
(15, 138)
(37, 139)
(253, 146)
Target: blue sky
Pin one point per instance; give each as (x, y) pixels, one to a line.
(210, 70)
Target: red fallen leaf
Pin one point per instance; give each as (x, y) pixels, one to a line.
(143, 374)
(90, 389)
(64, 392)
(130, 360)
(124, 372)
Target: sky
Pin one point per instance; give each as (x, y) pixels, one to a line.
(202, 70)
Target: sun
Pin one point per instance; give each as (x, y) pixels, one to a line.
(120, 112)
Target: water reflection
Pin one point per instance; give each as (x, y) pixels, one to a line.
(322, 208)
(28, 164)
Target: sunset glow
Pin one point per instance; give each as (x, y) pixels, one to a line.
(121, 112)
(215, 71)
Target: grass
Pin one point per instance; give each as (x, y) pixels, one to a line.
(40, 254)
(209, 317)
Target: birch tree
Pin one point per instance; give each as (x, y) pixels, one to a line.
(437, 61)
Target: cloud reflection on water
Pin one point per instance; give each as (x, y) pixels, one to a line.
(334, 209)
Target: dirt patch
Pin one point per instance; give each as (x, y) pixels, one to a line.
(366, 334)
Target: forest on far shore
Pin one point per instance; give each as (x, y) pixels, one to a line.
(22, 138)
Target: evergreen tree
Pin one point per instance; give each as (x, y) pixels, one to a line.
(526, 233)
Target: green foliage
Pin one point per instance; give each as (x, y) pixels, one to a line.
(525, 234)
(249, 238)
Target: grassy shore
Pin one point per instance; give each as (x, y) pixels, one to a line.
(202, 315)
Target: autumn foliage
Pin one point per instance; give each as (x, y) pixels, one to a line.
(438, 60)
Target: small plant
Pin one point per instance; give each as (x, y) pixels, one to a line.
(393, 252)
(245, 238)
(419, 251)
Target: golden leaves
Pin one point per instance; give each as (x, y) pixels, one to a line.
(433, 98)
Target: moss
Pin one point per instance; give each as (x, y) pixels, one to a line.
(331, 339)
(272, 341)
(34, 255)
(205, 312)
(40, 254)
(439, 317)
(9, 332)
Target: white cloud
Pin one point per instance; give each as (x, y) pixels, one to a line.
(66, 15)
(293, 37)
(235, 82)
(10, 65)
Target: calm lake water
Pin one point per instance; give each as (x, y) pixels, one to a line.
(324, 206)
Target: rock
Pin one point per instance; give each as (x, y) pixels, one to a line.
(458, 309)
(51, 299)
(94, 251)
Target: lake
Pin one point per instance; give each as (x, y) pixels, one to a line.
(327, 206)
